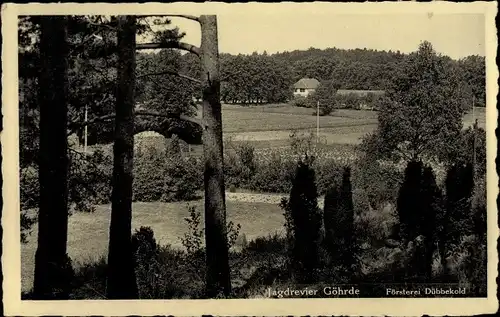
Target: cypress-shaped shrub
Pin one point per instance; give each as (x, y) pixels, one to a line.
(338, 218)
(419, 205)
(457, 219)
(306, 224)
(431, 198)
(409, 202)
(459, 188)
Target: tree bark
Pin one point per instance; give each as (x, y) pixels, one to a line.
(50, 280)
(121, 282)
(217, 279)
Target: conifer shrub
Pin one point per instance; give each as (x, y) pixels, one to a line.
(304, 224)
(338, 217)
(419, 206)
(409, 202)
(459, 190)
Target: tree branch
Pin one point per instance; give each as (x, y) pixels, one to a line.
(170, 44)
(146, 113)
(168, 72)
(171, 116)
(185, 16)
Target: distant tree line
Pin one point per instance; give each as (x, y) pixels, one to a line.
(268, 78)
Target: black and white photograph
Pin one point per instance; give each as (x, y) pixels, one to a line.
(188, 152)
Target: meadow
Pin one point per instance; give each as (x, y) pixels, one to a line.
(266, 128)
(88, 232)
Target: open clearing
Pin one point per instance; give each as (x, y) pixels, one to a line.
(276, 122)
(88, 232)
(259, 215)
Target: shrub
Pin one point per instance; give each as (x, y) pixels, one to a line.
(274, 174)
(149, 174)
(273, 243)
(338, 220)
(183, 178)
(90, 280)
(232, 188)
(300, 101)
(327, 173)
(147, 266)
(379, 183)
(471, 266)
(419, 203)
(459, 190)
(376, 225)
(165, 176)
(409, 201)
(239, 164)
(306, 223)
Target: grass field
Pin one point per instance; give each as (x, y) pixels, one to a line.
(269, 126)
(88, 232)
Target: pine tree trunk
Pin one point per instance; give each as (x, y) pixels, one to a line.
(217, 278)
(51, 260)
(121, 283)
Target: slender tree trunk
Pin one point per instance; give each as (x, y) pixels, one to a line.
(51, 281)
(121, 283)
(217, 278)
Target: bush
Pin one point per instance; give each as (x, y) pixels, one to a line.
(148, 268)
(149, 174)
(305, 224)
(164, 176)
(273, 174)
(273, 243)
(374, 226)
(327, 172)
(183, 178)
(90, 280)
(239, 164)
(300, 101)
(232, 188)
(338, 220)
(379, 183)
(471, 267)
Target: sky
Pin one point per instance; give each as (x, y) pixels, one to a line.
(456, 35)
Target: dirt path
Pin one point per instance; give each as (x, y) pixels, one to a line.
(261, 198)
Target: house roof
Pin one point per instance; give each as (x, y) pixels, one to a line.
(306, 83)
(360, 92)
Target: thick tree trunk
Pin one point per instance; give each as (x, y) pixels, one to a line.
(51, 281)
(217, 278)
(121, 283)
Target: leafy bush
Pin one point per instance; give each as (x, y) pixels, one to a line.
(148, 268)
(149, 173)
(183, 178)
(273, 243)
(163, 176)
(374, 226)
(273, 174)
(89, 184)
(239, 163)
(90, 280)
(300, 101)
(327, 172)
(471, 265)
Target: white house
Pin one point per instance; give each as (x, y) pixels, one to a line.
(305, 86)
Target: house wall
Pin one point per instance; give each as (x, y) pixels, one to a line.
(305, 93)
